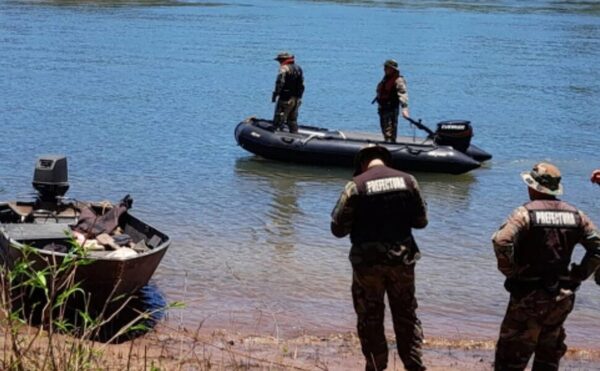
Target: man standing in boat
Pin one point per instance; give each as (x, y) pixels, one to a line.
(379, 208)
(391, 96)
(534, 248)
(289, 87)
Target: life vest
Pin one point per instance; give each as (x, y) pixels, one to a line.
(387, 93)
(293, 84)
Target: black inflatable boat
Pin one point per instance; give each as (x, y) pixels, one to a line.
(447, 150)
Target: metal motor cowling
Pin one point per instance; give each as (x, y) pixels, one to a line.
(50, 177)
(454, 133)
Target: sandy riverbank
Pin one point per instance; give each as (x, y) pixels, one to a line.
(224, 349)
(167, 348)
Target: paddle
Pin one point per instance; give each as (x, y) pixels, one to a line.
(420, 126)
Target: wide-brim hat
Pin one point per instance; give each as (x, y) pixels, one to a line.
(371, 151)
(283, 55)
(544, 178)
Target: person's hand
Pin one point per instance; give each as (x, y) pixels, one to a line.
(273, 97)
(405, 113)
(596, 176)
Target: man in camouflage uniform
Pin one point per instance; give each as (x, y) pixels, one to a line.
(289, 87)
(391, 95)
(379, 208)
(533, 248)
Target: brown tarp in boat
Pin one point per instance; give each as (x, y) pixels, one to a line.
(91, 224)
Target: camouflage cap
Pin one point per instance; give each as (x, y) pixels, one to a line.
(369, 152)
(544, 178)
(283, 55)
(391, 63)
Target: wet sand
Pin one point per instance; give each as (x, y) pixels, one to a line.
(175, 347)
(225, 349)
(267, 338)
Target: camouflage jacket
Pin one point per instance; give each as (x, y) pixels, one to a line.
(506, 238)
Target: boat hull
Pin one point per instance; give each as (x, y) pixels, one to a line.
(317, 146)
(102, 279)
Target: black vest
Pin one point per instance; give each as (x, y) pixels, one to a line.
(544, 250)
(385, 207)
(294, 83)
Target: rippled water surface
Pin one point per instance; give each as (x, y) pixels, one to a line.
(143, 97)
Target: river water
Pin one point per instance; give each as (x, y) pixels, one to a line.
(143, 97)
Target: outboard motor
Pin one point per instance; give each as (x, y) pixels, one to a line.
(454, 133)
(50, 178)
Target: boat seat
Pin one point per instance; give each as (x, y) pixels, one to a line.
(36, 234)
(27, 210)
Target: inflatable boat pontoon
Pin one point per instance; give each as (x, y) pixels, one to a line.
(448, 150)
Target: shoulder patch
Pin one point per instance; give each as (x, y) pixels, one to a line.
(564, 219)
(385, 185)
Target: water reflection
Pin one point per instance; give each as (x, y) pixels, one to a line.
(298, 194)
(284, 180)
(447, 191)
(285, 183)
(260, 168)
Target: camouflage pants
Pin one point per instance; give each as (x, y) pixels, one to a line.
(286, 112)
(388, 120)
(369, 285)
(533, 324)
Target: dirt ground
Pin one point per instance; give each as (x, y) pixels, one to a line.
(179, 348)
(203, 349)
